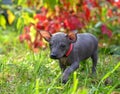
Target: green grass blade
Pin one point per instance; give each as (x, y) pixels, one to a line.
(107, 75)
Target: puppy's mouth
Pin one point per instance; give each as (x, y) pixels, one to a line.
(55, 57)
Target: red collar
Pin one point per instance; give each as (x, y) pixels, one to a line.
(69, 50)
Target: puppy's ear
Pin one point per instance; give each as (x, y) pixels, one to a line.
(46, 35)
(72, 36)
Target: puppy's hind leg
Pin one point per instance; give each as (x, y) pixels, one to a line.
(94, 61)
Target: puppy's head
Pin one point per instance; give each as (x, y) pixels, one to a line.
(59, 43)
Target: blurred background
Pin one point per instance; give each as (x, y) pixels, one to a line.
(28, 18)
(25, 66)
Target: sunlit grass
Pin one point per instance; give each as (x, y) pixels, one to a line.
(25, 72)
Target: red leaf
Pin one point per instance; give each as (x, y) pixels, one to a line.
(117, 3)
(26, 29)
(27, 37)
(39, 26)
(43, 10)
(91, 3)
(53, 26)
(110, 13)
(87, 12)
(105, 30)
(73, 23)
(21, 38)
(111, 1)
(67, 5)
(40, 17)
(38, 44)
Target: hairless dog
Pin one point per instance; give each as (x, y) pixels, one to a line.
(70, 49)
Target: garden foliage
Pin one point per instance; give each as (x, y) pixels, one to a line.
(66, 16)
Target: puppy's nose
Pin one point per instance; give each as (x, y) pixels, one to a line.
(53, 56)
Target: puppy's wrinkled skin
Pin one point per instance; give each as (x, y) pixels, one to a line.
(85, 45)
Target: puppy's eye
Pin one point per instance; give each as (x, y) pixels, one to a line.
(50, 44)
(62, 45)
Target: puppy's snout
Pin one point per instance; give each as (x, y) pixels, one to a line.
(53, 56)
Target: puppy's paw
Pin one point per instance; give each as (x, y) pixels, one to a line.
(64, 81)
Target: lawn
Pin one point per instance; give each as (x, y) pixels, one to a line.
(24, 72)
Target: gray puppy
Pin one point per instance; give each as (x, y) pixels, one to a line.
(70, 49)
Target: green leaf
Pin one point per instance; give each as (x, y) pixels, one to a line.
(21, 2)
(32, 33)
(104, 14)
(19, 23)
(37, 86)
(73, 4)
(98, 24)
(50, 3)
(104, 11)
(75, 84)
(107, 75)
(28, 19)
(2, 21)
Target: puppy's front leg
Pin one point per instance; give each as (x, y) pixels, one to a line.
(62, 66)
(68, 71)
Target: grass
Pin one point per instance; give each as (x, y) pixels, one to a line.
(25, 72)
